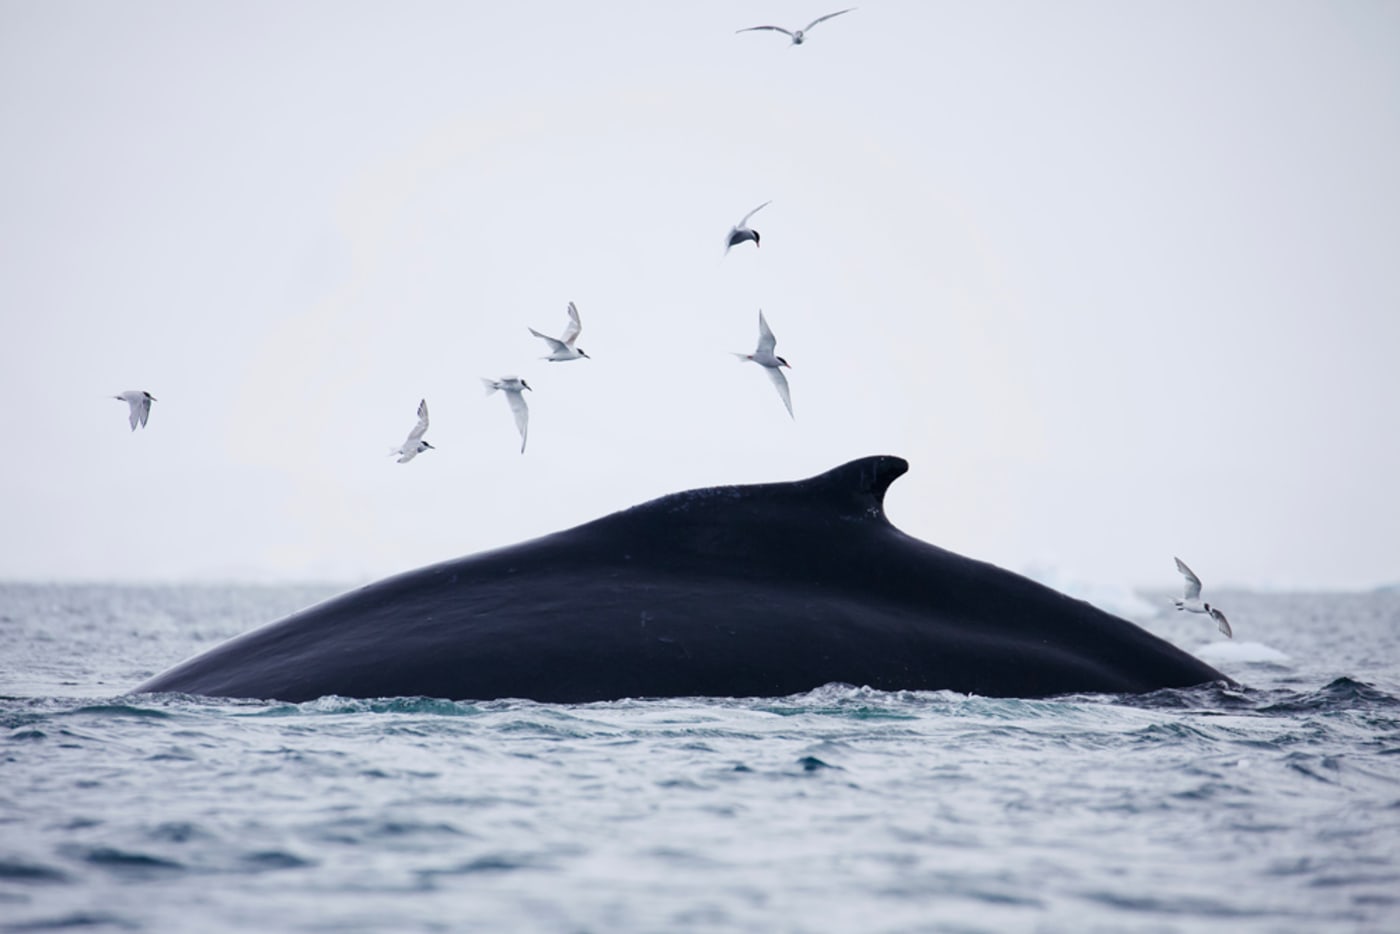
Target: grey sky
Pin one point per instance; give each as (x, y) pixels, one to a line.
(1121, 281)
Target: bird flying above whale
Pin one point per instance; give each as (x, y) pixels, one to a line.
(1191, 600)
(414, 444)
(514, 388)
(797, 36)
(139, 402)
(764, 355)
(562, 348)
(742, 232)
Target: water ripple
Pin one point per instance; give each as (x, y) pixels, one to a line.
(1269, 808)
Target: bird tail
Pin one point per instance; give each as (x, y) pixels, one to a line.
(490, 385)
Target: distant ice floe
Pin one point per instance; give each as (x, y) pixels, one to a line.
(1241, 653)
(1118, 599)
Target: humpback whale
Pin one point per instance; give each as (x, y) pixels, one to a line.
(741, 591)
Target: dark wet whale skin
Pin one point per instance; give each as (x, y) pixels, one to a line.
(763, 590)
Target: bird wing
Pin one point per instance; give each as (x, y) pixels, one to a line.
(574, 328)
(408, 454)
(557, 346)
(144, 408)
(822, 19)
(764, 204)
(781, 383)
(1221, 622)
(419, 428)
(135, 415)
(522, 414)
(766, 341)
(1193, 583)
(780, 29)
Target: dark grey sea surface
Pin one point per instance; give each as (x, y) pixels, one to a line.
(1273, 808)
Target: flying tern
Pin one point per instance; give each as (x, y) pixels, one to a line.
(414, 444)
(1191, 600)
(513, 386)
(563, 348)
(140, 402)
(741, 231)
(772, 363)
(798, 36)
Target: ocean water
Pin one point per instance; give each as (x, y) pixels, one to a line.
(1273, 808)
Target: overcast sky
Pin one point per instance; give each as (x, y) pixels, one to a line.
(1120, 280)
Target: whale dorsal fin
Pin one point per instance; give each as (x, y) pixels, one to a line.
(857, 489)
(853, 492)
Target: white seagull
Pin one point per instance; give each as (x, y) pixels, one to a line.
(798, 36)
(563, 348)
(1191, 599)
(140, 402)
(512, 386)
(741, 231)
(772, 363)
(414, 444)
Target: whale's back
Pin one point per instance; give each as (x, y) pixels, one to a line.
(730, 591)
